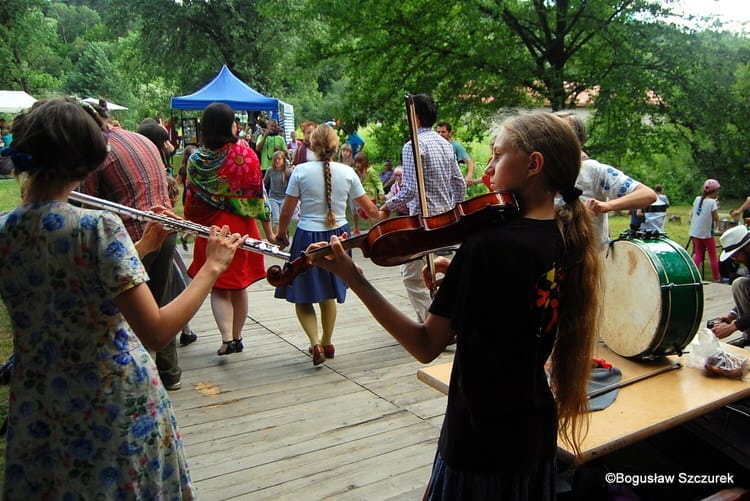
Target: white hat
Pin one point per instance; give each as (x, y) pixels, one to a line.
(733, 240)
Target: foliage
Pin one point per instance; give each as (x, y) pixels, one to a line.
(28, 54)
(667, 102)
(686, 104)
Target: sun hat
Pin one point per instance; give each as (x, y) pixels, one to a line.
(711, 185)
(733, 240)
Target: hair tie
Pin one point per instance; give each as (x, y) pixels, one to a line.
(22, 162)
(571, 195)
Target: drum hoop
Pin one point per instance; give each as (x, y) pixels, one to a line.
(667, 301)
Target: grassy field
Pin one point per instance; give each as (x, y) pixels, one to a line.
(9, 197)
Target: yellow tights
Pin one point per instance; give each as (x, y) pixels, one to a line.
(309, 320)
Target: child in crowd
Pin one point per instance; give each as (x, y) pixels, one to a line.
(370, 181)
(499, 435)
(704, 220)
(275, 181)
(386, 176)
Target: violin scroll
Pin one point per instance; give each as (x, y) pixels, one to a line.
(278, 276)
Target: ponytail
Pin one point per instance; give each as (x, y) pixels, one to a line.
(578, 322)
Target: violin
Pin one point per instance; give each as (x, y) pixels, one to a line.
(402, 239)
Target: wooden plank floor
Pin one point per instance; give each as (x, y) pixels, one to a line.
(266, 424)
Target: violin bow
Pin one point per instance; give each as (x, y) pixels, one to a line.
(411, 117)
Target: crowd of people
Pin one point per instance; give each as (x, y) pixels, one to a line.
(114, 294)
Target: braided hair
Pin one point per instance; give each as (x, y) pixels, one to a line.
(325, 143)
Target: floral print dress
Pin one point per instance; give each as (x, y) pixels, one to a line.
(88, 415)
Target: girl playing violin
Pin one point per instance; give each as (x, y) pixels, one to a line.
(499, 435)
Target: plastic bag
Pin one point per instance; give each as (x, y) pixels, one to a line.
(726, 364)
(703, 345)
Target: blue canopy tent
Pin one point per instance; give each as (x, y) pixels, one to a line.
(227, 88)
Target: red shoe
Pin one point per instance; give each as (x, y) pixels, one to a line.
(318, 355)
(329, 351)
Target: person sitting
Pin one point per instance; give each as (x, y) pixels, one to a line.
(743, 209)
(734, 243)
(655, 214)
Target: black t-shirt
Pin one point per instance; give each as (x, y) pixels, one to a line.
(501, 296)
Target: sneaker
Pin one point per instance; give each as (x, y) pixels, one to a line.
(173, 386)
(188, 337)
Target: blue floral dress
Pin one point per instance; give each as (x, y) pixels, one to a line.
(88, 414)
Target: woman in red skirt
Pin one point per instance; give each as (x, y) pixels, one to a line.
(225, 187)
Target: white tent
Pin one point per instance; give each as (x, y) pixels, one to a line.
(110, 105)
(15, 101)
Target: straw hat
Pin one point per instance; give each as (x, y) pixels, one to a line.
(733, 240)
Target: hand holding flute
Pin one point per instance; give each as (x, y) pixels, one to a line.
(175, 224)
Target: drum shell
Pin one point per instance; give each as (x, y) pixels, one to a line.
(653, 298)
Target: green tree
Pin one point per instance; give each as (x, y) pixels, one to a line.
(94, 75)
(187, 41)
(685, 102)
(474, 57)
(28, 56)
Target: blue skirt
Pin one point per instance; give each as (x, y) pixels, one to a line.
(447, 483)
(315, 285)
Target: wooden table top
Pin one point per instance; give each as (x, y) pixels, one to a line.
(644, 408)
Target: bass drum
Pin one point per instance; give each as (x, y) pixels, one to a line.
(653, 298)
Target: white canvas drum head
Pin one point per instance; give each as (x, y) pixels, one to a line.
(632, 306)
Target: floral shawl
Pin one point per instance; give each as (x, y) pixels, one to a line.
(228, 179)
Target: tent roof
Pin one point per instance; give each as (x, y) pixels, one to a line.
(226, 88)
(110, 105)
(15, 101)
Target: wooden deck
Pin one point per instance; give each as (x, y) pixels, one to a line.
(266, 424)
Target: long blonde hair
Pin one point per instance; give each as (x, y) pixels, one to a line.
(346, 147)
(579, 308)
(274, 158)
(325, 142)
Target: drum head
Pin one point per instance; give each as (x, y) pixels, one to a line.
(632, 306)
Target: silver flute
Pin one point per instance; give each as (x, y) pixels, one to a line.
(182, 225)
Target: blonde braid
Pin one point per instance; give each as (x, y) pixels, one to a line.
(327, 173)
(325, 142)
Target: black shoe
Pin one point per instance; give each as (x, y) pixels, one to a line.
(187, 338)
(227, 348)
(238, 346)
(184, 242)
(173, 386)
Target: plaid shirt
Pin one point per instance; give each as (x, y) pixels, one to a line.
(132, 175)
(444, 184)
